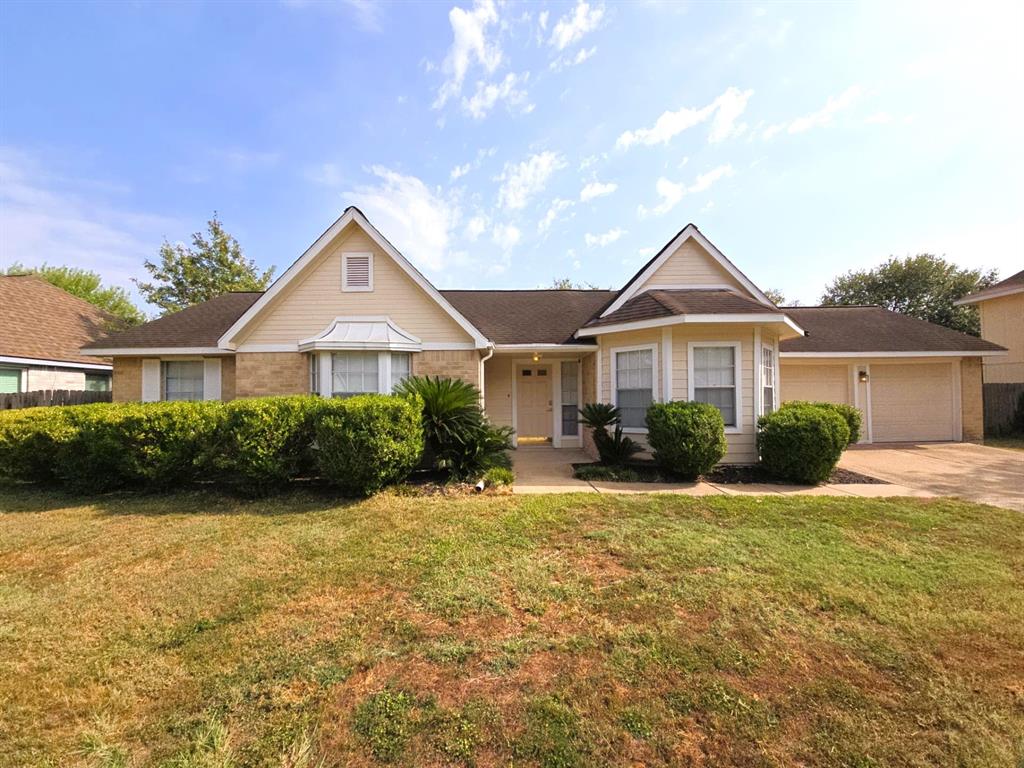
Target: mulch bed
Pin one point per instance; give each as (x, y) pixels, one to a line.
(728, 474)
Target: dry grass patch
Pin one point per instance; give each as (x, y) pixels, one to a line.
(301, 630)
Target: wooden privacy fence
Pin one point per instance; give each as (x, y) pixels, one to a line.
(51, 397)
(1000, 405)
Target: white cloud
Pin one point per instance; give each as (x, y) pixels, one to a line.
(557, 206)
(417, 219)
(726, 109)
(521, 181)
(475, 227)
(571, 61)
(367, 12)
(481, 154)
(572, 27)
(469, 44)
(671, 193)
(597, 189)
(460, 170)
(505, 236)
(706, 208)
(606, 238)
(487, 95)
(821, 117)
(47, 217)
(542, 19)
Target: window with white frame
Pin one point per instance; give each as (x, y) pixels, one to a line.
(314, 373)
(767, 379)
(183, 379)
(354, 373)
(634, 385)
(714, 379)
(357, 272)
(401, 368)
(570, 375)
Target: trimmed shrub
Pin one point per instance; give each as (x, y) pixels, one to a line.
(150, 445)
(802, 442)
(686, 438)
(851, 415)
(367, 442)
(614, 448)
(264, 442)
(498, 476)
(459, 438)
(29, 442)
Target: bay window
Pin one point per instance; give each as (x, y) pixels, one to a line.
(633, 382)
(714, 378)
(354, 373)
(401, 368)
(182, 379)
(358, 372)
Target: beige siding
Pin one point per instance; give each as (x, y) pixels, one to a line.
(1002, 322)
(315, 298)
(588, 370)
(692, 265)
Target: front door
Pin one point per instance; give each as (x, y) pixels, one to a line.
(533, 401)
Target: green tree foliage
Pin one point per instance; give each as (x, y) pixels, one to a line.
(923, 286)
(776, 296)
(86, 285)
(213, 265)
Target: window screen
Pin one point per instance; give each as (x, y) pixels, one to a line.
(570, 398)
(400, 368)
(714, 380)
(353, 373)
(634, 385)
(183, 379)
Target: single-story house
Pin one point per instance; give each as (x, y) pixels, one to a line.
(352, 314)
(42, 330)
(1001, 307)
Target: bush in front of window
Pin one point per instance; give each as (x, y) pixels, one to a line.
(460, 440)
(802, 442)
(850, 414)
(686, 438)
(367, 442)
(612, 448)
(152, 446)
(263, 442)
(29, 441)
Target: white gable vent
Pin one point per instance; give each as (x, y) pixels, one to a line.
(357, 272)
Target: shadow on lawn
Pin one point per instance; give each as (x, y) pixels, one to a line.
(193, 499)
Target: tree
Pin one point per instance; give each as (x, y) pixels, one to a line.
(89, 286)
(776, 296)
(188, 276)
(923, 286)
(566, 284)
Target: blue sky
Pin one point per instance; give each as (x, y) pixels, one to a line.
(508, 144)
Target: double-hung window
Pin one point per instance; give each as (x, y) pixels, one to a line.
(401, 367)
(570, 375)
(713, 378)
(634, 385)
(357, 373)
(767, 379)
(183, 379)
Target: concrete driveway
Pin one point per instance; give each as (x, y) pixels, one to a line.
(975, 472)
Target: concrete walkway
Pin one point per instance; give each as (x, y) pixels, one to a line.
(975, 472)
(543, 469)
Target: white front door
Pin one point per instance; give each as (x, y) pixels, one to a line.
(533, 401)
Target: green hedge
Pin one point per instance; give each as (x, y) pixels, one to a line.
(802, 442)
(686, 438)
(264, 442)
(29, 440)
(366, 442)
(850, 414)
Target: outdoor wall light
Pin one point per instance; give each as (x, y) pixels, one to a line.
(536, 357)
(862, 376)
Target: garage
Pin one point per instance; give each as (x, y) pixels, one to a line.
(912, 402)
(821, 383)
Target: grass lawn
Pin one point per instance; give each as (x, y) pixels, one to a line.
(1006, 442)
(200, 630)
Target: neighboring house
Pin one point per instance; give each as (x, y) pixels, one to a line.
(353, 315)
(1001, 307)
(42, 330)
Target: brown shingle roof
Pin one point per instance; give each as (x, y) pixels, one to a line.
(41, 321)
(198, 326)
(874, 329)
(1012, 284)
(529, 317)
(652, 305)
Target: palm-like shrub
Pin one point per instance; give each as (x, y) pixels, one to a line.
(614, 448)
(459, 438)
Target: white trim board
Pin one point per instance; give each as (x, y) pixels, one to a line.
(689, 232)
(150, 351)
(426, 346)
(840, 355)
(35, 362)
(690, 319)
(989, 293)
(227, 340)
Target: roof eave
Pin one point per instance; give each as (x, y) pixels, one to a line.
(792, 329)
(991, 293)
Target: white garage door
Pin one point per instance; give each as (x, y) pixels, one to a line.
(912, 402)
(820, 383)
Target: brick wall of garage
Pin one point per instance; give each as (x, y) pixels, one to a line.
(972, 409)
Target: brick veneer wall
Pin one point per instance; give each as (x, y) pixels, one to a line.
(127, 383)
(972, 408)
(258, 374)
(453, 364)
(227, 378)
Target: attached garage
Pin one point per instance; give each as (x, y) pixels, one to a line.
(821, 383)
(913, 402)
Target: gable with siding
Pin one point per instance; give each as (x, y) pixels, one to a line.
(693, 267)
